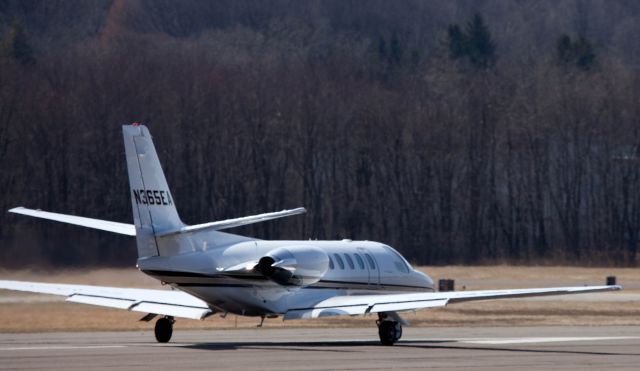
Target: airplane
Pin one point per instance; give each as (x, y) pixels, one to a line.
(213, 272)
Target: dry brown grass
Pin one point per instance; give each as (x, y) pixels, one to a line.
(34, 313)
(125, 277)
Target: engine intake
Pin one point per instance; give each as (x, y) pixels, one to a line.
(294, 265)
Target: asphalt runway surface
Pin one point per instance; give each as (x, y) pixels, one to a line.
(507, 348)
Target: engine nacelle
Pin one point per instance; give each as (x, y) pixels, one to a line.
(294, 265)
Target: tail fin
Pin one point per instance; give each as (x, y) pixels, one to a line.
(153, 208)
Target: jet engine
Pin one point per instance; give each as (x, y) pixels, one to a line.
(294, 265)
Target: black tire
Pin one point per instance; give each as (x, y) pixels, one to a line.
(398, 331)
(389, 332)
(164, 330)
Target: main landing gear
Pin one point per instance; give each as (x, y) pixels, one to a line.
(389, 330)
(164, 329)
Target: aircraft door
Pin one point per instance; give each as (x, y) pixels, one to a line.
(371, 266)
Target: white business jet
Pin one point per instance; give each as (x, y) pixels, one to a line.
(216, 272)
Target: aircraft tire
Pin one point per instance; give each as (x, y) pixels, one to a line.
(163, 329)
(389, 332)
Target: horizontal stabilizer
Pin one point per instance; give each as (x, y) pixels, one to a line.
(105, 225)
(230, 223)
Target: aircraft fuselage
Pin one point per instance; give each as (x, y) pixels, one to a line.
(355, 268)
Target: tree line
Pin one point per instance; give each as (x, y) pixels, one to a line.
(445, 140)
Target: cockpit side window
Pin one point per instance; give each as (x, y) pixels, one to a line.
(331, 266)
(339, 261)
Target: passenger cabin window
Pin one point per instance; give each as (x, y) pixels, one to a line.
(349, 261)
(372, 264)
(331, 266)
(360, 261)
(339, 260)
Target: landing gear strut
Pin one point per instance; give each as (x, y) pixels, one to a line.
(388, 330)
(164, 329)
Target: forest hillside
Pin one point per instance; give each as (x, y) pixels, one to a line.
(470, 131)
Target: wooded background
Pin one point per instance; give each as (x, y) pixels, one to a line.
(456, 131)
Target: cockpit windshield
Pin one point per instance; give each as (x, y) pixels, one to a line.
(400, 263)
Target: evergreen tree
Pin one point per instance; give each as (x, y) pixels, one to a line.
(584, 53)
(457, 42)
(395, 52)
(480, 46)
(382, 48)
(474, 43)
(579, 53)
(15, 45)
(564, 50)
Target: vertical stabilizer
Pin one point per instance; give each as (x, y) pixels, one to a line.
(154, 210)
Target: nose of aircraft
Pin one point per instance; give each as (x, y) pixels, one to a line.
(424, 279)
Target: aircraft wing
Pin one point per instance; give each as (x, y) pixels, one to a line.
(163, 302)
(365, 304)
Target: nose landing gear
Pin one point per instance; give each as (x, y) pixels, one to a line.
(164, 329)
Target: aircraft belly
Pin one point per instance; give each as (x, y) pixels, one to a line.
(257, 301)
(246, 300)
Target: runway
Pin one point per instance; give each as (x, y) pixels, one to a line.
(533, 348)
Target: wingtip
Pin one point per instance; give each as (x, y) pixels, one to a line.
(611, 287)
(297, 210)
(15, 209)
